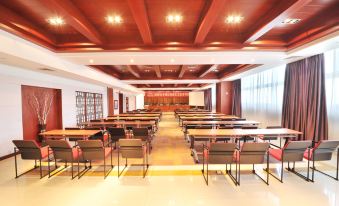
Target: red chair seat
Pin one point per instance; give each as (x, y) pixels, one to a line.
(306, 154)
(44, 152)
(276, 153)
(108, 150)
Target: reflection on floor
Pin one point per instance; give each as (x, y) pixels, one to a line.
(172, 179)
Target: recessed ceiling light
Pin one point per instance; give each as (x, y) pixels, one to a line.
(234, 19)
(116, 19)
(172, 60)
(147, 70)
(291, 21)
(56, 21)
(215, 70)
(131, 60)
(174, 18)
(91, 61)
(191, 70)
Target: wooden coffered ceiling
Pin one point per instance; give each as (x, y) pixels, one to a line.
(144, 26)
(166, 72)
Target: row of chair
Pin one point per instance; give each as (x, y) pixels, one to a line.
(117, 133)
(84, 152)
(260, 152)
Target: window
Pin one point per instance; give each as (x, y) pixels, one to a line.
(332, 97)
(262, 96)
(89, 106)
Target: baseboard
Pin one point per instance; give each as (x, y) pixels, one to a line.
(7, 156)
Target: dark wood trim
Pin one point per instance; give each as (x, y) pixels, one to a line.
(8, 156)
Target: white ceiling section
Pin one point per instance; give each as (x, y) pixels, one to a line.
(16, 51)
(172, 88)
(174, 58)
(19, 52)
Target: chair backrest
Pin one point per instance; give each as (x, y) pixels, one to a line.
(28, 149)
(221, 153)
(249, 127)
(226, 127)
(61, 149)
(72, 128)
(253, 153)
(141, 133)
(95, 120)
(92, 149)
(323, 149)
(116, 133)
(131, 148)
(273, 127)
(294, 150)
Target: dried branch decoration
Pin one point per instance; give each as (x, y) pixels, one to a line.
(41, 102)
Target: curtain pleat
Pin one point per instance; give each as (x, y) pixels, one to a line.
(236, 101)
(208, 99)
(304, 101)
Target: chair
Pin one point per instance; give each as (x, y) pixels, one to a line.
(224, 139)
(143, 134)
(270, 138)
(219, 153)
(95, 120)
(245, 138)
(322, 151)
(253, 153)
(29, 150)
(293, 151)
(73, 139)
(63, 151)
(116, 133)
(99, 136)
(94, 150)
(133, 148)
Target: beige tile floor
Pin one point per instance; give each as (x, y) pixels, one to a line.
(173, 179)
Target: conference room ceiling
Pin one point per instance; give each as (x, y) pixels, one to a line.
(169, 25)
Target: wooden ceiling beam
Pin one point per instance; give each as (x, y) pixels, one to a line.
(107, 70)
(74, 17)
(12, 19)
(139, 12)
(276, 16)
(133, 70)
(228, 69)
(208, 20)
(157, 71)
(239, 69)
(182, 71)
(208, 70)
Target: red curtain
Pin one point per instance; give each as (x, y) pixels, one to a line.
(208, 99)
(304, 103)
(236, 101)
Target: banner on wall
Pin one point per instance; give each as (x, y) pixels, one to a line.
(166, 94)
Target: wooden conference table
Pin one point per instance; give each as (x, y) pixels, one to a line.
(122, 124)
(135, 115)
(218, 123)
(82, 133)
(131, 118)
(209, 134)
(207, 118)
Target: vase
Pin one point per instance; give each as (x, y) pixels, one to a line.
(42, 128)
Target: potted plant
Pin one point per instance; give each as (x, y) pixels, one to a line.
(41, 103)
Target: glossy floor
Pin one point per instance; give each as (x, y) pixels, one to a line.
(172, 179)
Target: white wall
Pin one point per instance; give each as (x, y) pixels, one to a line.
(140, 101)
(116, 97)
(11, 79)
(214, 97)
